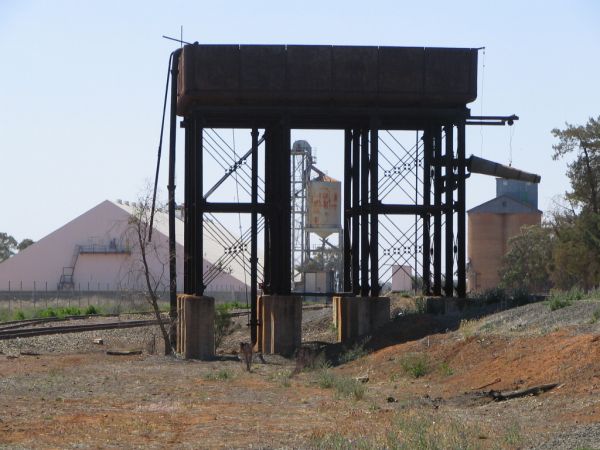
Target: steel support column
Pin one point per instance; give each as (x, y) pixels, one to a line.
(355, 207)
(266, 284)
(364, 216)
(437, 217)
(277, 269)
(254, 239)
(198, 202)
(188, 213)
(374, 201)
(347, 205)
(427, 154)
(449, 211)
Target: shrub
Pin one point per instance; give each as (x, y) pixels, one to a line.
(60, 313)
(91, 310)
(420, 305)
(19, 315)
(493, 295)
(595, 316)
(357, 351)
(415, 364)
(223, 323)
(521, 297)
(558, 299)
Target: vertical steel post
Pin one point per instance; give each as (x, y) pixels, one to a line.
(347, 206)
(268, 211)
(198, 274)
(449, 209)
(461, 211)
(278, 274)
(286, 208)
(364, 216)
(416, 243)
(374, 234)
(437, 218)
(427, 150)
(189, 213)
(355, 212)
(254, 239)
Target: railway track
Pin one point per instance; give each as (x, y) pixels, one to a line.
(31, 328)
(41, 331)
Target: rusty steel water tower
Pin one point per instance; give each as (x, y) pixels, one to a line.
(367, 93)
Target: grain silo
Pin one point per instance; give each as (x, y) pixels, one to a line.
(492, 224)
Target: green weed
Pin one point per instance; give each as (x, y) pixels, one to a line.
(221, 375)
(343, 385)
(445, 369)
(223, 323)
(512, 435)
(415, 364)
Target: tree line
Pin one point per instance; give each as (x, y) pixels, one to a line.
(564, 252)
(9, 245)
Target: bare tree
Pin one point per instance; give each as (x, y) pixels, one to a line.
(146, 253)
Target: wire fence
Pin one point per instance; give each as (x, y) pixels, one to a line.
(109, 302)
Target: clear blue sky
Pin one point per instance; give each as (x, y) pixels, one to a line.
(82, 84)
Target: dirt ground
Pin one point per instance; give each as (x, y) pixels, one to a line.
(421, 382)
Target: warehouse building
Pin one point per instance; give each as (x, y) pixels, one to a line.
(99, 251)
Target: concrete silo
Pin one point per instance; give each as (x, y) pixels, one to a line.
(492, 224)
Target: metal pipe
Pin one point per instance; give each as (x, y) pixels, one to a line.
(487, 167)
(461, 260)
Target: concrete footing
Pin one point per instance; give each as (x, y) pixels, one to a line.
(195, 327)
(279, 324)
(359, 316)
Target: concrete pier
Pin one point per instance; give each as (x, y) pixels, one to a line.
(359, 316)
(279, 324)
(195, 327)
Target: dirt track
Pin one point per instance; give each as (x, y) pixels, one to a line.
(91, 400)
